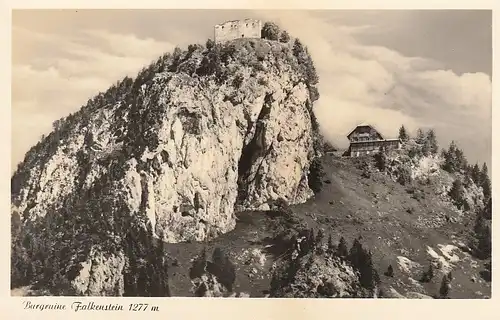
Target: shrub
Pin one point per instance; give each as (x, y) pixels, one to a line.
(284, 37)
(270, 31)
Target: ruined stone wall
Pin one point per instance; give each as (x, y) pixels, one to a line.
(230, 30)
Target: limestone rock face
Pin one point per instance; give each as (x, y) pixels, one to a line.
(101, 276)
(197, 135)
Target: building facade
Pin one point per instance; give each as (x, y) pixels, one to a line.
(366, 140)
(236, 29)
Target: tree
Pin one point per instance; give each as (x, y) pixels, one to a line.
(199, 265)
(222, 268)
(210, 44)
(270, 31)
(319, 237)
(284, 37)
(432, 142)
(403, 134)
(420, 137)
(356, 254)
(331, 246)
(316, 173)
(429, 274)
(381, 159)
(342, 251)
(476, 174)
(454, 159)
(450, 276)
(482, 230)
(485, 182)
(390, 271)
(444, 290)
(305, 62)
(457, 194)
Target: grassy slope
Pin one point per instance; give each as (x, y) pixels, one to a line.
(352, 206)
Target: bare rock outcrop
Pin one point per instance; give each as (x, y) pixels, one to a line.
(175, 151)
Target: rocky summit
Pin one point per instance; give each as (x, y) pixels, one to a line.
(198, 134)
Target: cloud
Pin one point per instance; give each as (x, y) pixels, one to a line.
(375, 84)
(360, 81)
(69, 71)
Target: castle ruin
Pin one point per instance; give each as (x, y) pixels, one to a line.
(236, 29)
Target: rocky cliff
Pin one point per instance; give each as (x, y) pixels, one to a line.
(168, 155)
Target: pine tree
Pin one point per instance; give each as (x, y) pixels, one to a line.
(457, 194)
(390, 271)
(460, 160)
(381, 159)
(319, 237)
(356, 254)
(403, 135)
(476, 174)
(312, 239)
(432, 142)
(420, 137)
(331, 246)
(485, 182)
(444, 290)
(342, 251)
(429, 274)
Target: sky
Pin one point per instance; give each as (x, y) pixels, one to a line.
(422, 69)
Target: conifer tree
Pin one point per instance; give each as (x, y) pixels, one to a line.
(432, 142)
(342, 251)
(420, 139)
(444, 290)
(312, 239)
(485, 182)
(429, 274)
(356, 254)
(457, 194)
(476, 174)
(381, 159)
(403, 135)
(331, 246)
(390, 271)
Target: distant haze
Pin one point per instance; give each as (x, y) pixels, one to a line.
(429, 69)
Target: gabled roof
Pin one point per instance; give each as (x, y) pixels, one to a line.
(364, 125)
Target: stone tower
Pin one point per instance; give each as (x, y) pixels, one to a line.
(230, 30)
